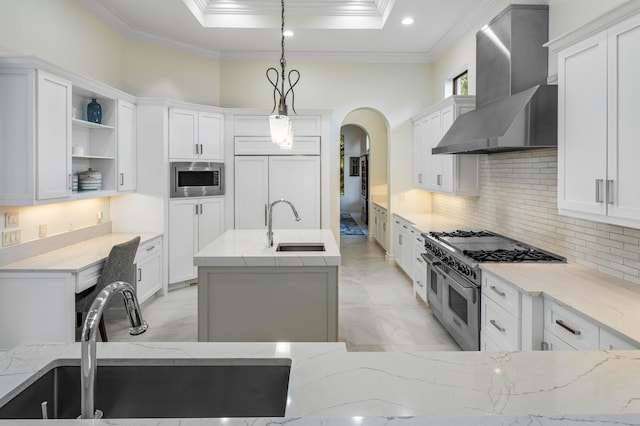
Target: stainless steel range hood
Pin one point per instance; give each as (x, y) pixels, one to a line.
(516, 110)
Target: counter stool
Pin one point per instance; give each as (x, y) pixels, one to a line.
(118, 266)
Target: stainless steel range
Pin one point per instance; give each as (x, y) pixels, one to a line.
(454, 276)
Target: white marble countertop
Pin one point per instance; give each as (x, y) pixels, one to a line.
(75, 257)
(608, 300)
(425, 222)
(248, 247)
(329, 386)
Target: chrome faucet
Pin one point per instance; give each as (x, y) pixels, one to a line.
(270, 221)
(88, 339)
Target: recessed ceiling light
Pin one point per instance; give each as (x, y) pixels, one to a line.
(287, 33)
(407, 21)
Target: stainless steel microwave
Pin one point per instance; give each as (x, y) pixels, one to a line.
(196, 179)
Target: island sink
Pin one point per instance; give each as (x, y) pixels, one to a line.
(300, 247)
(159, 388)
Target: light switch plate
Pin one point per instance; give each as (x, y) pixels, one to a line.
(11, 219)
(10, 238)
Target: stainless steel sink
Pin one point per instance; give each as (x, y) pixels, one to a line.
(300, 247)
(143, 388)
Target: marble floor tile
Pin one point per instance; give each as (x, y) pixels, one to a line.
(377, 309)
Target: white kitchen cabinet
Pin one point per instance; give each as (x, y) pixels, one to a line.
(380, 222)
(193, 224)
(510, 320)
(126, 146)
(261, 180)
(35, 137)
(419, 268)
(148, 269)
(598, 126)
(444, 173)
(404, 246)
(610, 341)
(195, 135)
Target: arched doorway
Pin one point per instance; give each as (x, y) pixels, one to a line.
(365, 133)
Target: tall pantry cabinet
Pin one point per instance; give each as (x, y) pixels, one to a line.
(598, 124)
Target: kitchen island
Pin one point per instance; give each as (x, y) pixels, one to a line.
(330, 386)
(248, 292)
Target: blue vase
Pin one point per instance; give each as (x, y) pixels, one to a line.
(94, 112)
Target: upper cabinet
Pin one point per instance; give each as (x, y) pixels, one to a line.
(444, 173)
(252, 135)
(46, 139)
(598, 124)
(195, 134)
(127, 145)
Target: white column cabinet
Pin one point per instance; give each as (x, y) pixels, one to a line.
(195, 135)
(598, 126)
(193, 224)
(260, 180)
(53, 130)
(126, 156)
(443, 173)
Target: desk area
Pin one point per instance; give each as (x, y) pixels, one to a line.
(37, 294)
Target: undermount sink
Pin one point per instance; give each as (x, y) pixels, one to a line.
(144, 388)
(300, 247)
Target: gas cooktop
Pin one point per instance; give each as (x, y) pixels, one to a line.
(487, 246)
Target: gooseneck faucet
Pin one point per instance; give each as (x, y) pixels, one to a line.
(88, 338)
(270, 221)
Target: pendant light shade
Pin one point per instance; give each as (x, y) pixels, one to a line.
(280, 123)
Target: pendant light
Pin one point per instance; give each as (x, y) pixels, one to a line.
(279, 122)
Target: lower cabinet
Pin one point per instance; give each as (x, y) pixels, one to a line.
(194, 223)
(149, 269)
(379, 227)
(510, 319)
(567, 329)
(419, 269)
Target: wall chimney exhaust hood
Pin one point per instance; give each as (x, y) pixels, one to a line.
(515, 108)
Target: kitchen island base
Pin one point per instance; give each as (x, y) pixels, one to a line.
(268, 304)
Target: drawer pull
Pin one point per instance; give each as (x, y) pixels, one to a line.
(566, 327)
(151, 248)
(420, 284)
(493, 323)
(500, 293)
(419, 259)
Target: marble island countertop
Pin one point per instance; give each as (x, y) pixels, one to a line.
(248, 247)
(329, 386)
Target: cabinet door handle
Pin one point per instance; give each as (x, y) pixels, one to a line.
(69, 181)
(419, 177)
(201, 149)
(399, 240)
(196, 209)
(609, 191)
(121, 178)
(266, 208)
(566, 327)
(139, 274)
(500, 293)
(200, 208)
(439, 180)
(599, 183)
(495, 324)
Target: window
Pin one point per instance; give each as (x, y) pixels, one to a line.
(461, 83)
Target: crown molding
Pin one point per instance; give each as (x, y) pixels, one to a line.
(335, 57)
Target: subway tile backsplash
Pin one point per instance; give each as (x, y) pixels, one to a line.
(518, 198)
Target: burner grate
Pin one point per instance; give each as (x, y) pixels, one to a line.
(462, 234)
(524, 255)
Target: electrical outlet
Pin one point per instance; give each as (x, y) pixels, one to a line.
(11, 219)
(10, 238)
(42, 231)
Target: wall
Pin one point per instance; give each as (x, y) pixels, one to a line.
(519, 190)
(518, 198)
(354, 146)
